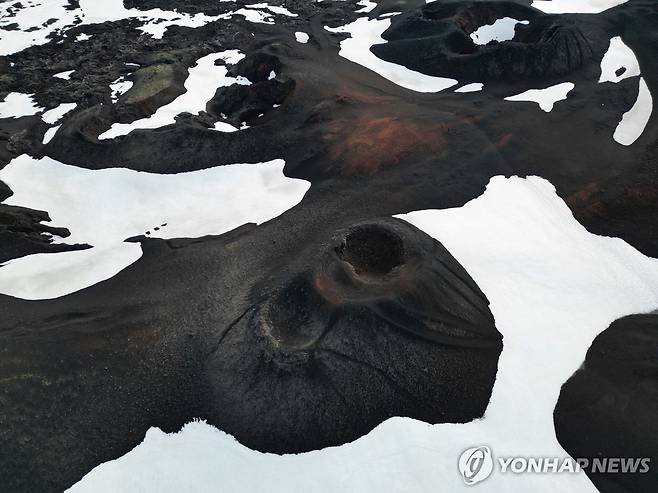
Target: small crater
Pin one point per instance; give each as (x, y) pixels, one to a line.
(292, 316)
(372, 251)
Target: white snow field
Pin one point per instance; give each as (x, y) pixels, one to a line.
(200, 86)
(575, 6)
(364, 33)
(545, 98)
(553, 287)
(104, 207)
(501, 30)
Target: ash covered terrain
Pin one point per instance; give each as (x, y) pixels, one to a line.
(326, 245)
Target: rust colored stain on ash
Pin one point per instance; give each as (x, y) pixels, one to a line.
(365, 145)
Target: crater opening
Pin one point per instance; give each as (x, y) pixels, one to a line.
(372, 250)
(293, 315)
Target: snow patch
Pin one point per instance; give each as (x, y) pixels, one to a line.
(301, 37)
(619, 63)
(575, 6)
(368, 6)
(32, 20)
(475, 86)
(501, 30)
(545, 98)
(203, 80)
(34, 29)
(635, 120)
(17, 104)
(619, 57)
(50, 133)
(54, 115)
(224, 127)
(104, 207)
(256, 16)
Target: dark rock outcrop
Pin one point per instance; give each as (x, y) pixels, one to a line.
(608, 408)
(240, 103)
(22, 233)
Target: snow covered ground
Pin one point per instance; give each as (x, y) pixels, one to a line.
(552, 286)
(104, 207)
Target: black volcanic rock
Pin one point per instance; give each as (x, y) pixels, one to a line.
(243, 103)
(609, 407)
(300, 325)
(256, 67)
(377, 321)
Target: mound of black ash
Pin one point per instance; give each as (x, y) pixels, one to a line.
(436, 40)
(378, 321)
(22, 232)
(608, 408)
